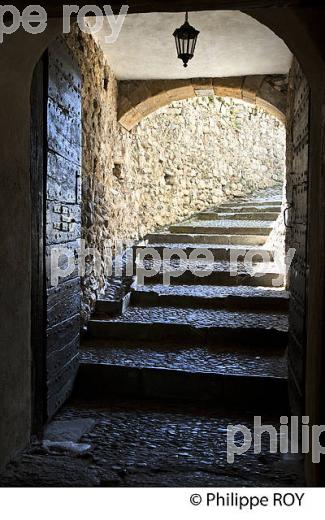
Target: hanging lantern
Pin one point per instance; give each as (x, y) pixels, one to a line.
(185, 38)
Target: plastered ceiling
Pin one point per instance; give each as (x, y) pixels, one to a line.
(230, 43)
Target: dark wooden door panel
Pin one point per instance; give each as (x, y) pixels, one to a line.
(61, 179)
(37, 178)
(297, 195)
(63, 222)
(71, 253)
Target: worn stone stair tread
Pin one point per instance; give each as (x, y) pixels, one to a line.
(250, 216)
(227, 227)
(247, 392)
(263, 335)
(221, 230)
(250, 203)
(216, 273)
(219, 251)
(199, 318)
(202, 264)
(253, 202)
(204, 238)
(214, 278)
(270, 194)
(259, 209)
(214, 291)
(233, 378)
(190, 245)
(251, 206)
(226, 224)
(190, 358)
(152, 298)
(210, 296)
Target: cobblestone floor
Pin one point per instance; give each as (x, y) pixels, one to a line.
(144, 444)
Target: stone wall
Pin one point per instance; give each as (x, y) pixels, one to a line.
(196, 153)
(178, 160)
(103, 197)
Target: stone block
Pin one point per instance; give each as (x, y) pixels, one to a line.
(250, 88)
(130, 119)
(228, 87)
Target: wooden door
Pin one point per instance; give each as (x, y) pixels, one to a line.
(59, 216)
(63, 221)
(297, 195)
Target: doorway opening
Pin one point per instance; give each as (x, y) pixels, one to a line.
(109, 197)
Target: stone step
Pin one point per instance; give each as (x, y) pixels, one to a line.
(199, 238)
(219, 252)
(210, 297)
(169, 371)
(212, 215)
(218, 327)
(224, 227)
(113, 307)
(251, 203)
(203, 273)
(246, 209)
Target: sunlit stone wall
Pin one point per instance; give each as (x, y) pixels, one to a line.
(183, 158)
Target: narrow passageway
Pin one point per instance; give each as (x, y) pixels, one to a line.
(160, 383)
(136, 379)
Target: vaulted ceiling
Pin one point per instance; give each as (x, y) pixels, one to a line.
(230, 43)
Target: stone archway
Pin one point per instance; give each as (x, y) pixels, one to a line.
(138, 99)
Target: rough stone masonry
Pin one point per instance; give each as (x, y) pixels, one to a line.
(178, 160)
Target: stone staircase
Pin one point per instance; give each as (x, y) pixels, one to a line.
(209, 335)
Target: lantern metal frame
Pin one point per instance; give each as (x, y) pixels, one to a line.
(185, 39)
